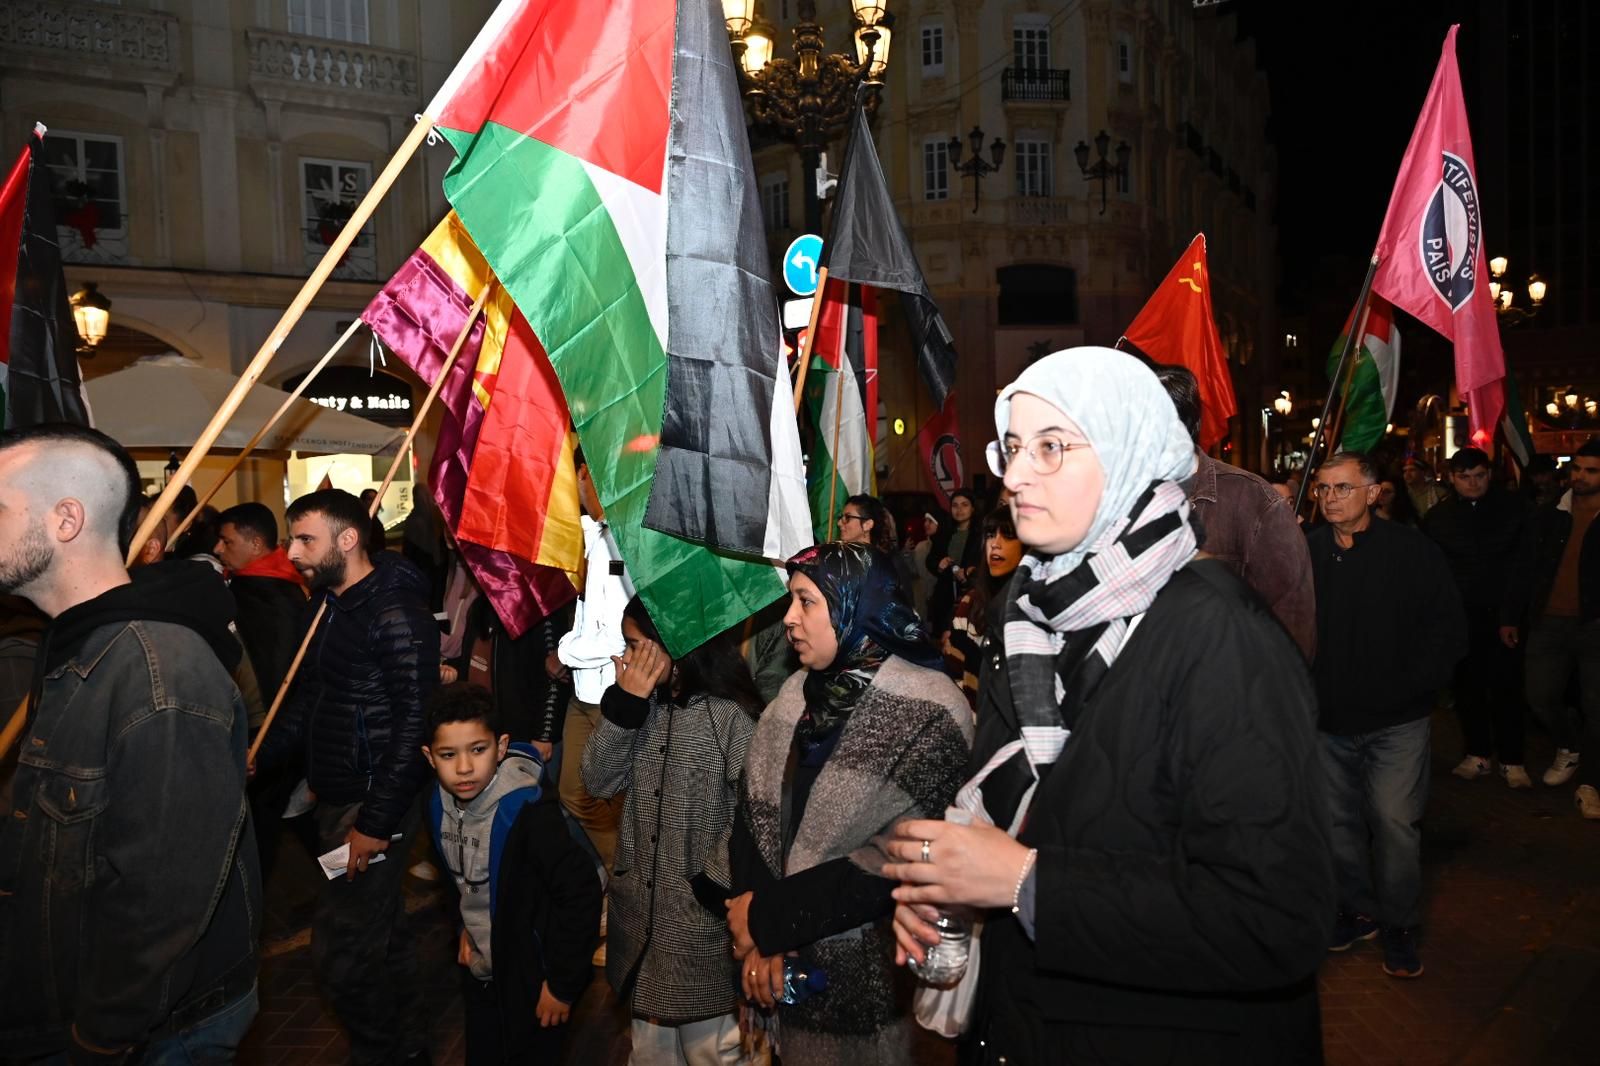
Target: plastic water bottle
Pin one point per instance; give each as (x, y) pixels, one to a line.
(801, 982)
(945, 962)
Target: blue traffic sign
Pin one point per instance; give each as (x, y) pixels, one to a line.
(800, 262)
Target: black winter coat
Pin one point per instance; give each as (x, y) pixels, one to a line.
(1184, 889)
(1538, 558)
(271, 619)
(356, 709)
(1478, 538)
(946, 590)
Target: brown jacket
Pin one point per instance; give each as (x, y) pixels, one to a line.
(1248, 526)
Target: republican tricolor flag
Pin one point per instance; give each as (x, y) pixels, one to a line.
(603, 169)
(1431, 258)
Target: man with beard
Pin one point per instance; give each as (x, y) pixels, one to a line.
(130, 900)
(356, 717)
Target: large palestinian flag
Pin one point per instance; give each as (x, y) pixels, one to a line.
(603, 170)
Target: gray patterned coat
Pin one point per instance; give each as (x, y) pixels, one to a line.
(680, 771)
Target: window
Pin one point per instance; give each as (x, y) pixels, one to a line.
(89, 196)
(935, 170)
(1037, 295)
(775, 201)
(1033, 167)
(932, 50)
(1125, 60)
(330, 189)
(341, 20)
(1030, 47)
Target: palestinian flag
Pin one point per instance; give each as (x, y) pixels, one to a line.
(1370, 405)
(840, 398)
(603, 170)
(503, 471)
(39, 379)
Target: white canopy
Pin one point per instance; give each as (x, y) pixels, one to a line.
(166, 401)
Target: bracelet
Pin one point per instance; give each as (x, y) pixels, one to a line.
(1027, 868)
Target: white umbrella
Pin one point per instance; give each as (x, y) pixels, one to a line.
(166, 401)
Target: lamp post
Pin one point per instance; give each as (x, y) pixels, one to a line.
(91, 313)
(1103, 170)
(1503, 297)
(808, 99)
(976, 168)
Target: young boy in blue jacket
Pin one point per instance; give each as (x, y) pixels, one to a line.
(530, 899)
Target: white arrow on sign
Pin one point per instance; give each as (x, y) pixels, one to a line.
(805, 262)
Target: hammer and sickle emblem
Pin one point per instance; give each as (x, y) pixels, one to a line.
(1190, 281)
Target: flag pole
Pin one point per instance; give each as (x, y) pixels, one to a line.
(811, 338)
(250, 446)
(1333, 385)
(372, 509)
(280, 332)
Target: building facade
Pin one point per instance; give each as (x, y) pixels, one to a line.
(206, 152)
(1029, 261)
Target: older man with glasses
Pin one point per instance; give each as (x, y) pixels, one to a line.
(1390, 630)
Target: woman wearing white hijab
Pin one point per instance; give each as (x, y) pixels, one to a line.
(1159, 886)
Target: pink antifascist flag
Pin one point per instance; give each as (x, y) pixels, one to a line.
(1432, 262)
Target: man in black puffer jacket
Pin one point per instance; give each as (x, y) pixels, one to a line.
(356, 716)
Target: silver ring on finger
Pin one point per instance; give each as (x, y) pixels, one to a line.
(926, 853)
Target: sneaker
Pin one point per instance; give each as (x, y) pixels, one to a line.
(1561, 771)
(1472, 767)
(1516, 777)
(1588, 801)
(1349, 928)
(1400, 958)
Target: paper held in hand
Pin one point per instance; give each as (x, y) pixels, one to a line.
(334, 862)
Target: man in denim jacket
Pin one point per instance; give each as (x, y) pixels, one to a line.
(130, 899)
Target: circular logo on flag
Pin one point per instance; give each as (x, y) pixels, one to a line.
(948, 473)
(1448, 239)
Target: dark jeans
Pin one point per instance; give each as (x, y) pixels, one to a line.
(1555, 647)
(269, 797)
(211, 1041)
(1377, 789)
(487, 1034)
(1488, 697)
(362, 949)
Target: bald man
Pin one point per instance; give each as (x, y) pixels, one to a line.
(129, 891)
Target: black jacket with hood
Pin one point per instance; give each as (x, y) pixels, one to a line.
(130, 897)
(356, 709)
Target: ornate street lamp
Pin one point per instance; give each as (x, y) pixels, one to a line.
(976, 168)
(1103, 170)
(91, 313)
(809, 99)
(1503, 297)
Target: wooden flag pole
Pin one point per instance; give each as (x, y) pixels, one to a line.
(377, 501)
(1327, 404)
(250, 446)
(811, 338)
(286, 322)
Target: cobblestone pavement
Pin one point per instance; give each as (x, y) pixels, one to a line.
(1512, 950)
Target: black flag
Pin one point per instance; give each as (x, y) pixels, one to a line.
(40, 376)
(869, 246)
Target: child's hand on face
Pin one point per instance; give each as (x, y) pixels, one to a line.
(551, 1011)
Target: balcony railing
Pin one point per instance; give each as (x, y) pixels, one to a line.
(1038, 210)
(78, 34)
(315, 63)
(1035, 84)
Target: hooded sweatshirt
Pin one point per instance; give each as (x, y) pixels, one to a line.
(464, 835)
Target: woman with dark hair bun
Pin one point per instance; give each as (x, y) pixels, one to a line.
(673, 737)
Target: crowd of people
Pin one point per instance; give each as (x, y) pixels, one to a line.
(1136, 731)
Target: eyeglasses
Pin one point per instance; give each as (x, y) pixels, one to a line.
(1341, 491)
(1044, 454)
(847, 516)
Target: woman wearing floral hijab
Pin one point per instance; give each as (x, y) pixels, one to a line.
(869, 732)
(1158, 888)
